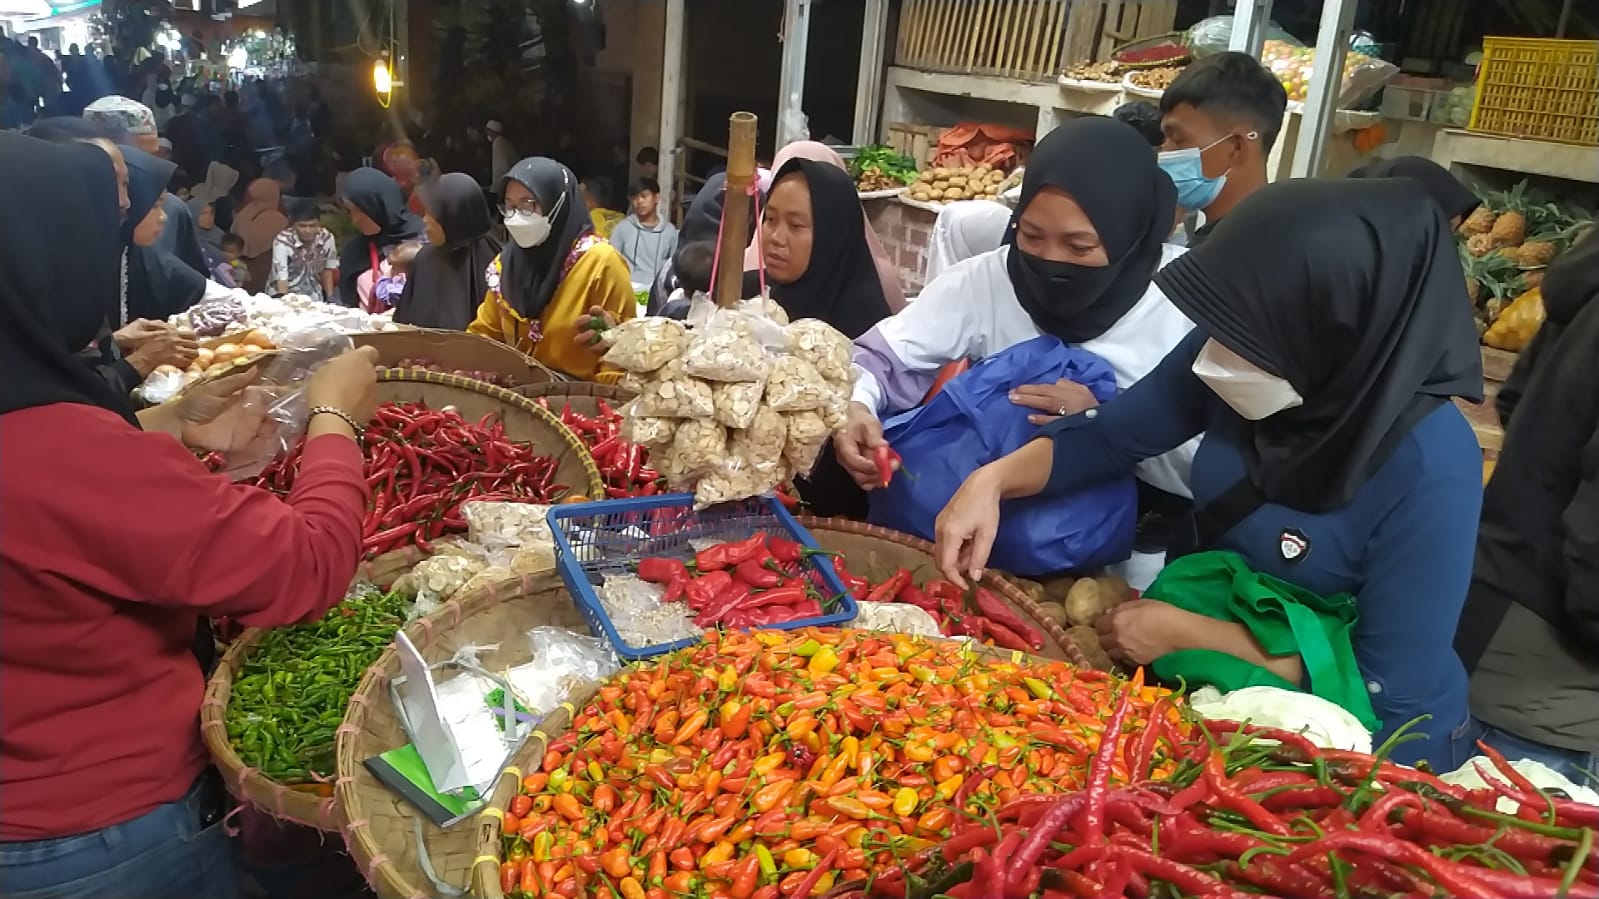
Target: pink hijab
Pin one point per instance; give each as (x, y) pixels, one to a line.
(260, 219)
(887, 272)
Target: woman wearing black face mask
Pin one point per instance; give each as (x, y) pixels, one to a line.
(1333, 461)
(1087, 237)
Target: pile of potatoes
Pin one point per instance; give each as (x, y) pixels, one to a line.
(939, 185)
(1075, 604)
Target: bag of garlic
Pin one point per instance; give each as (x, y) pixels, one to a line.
(644, 344)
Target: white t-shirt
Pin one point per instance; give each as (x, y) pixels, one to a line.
(971, 312)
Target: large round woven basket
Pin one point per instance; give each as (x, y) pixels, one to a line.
(876, 553)
(308, 804)
(525, 421)
(380, 828)
(583, 396)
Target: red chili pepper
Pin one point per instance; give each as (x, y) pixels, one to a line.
(703, 590)
(804, 887)
(726, 555)
(887, 461)
(887, 590)
(1455, 883)
(674, 589)
(997, 610)
(1229, 797)
(726, 601)
(1003, 636)
(752, 572)
(661, 570)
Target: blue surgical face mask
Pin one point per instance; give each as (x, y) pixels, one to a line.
(1186, 168)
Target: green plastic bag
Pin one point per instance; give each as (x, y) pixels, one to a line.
(1286, 619)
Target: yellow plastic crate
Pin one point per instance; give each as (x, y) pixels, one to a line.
(1538, 88)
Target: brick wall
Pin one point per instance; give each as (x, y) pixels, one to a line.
(905, 232)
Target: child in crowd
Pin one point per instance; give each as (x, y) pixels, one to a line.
(232, 271)
(645, 238)
(305, 259)
(692, 264)
(380, 290)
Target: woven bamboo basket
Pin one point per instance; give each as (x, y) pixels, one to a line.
(379, 826)
(524, 420)
(876, 553)
(308, 804)
(582, 396)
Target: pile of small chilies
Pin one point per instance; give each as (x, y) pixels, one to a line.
(423, 465)
(789, 763)
(756, 582)
(1244, 817)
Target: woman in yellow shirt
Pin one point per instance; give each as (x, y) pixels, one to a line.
(555, 275)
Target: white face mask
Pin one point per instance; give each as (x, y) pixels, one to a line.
(528, 229)
(1250, 391)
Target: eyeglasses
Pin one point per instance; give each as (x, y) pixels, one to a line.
(529, 206)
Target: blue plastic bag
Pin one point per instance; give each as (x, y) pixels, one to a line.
(973, 422)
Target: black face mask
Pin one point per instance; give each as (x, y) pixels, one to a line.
(1060, 297)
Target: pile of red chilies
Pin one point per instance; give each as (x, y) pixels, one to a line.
(423, 464)
(978, 613)
(756, 582)
(1243, 817)
(624, 466)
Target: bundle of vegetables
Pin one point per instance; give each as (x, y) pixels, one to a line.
(288, 697)
(756, 582)
(624, 466)
(877, 167)
(476, 374)
(976, 613)
(785, 763)
(1245, 816)
(423, 464)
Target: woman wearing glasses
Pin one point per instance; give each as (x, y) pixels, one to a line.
(554, 275)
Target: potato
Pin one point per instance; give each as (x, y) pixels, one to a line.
(1056, 588)
(941, 185)
(1114, 589)
(917, 193)
(983, 168)
(1054, 611)
(1086, 640)
(958, 181)
(1086, 601)
(996, 177)
(1033, 589)
(954, 193)
(940, 173)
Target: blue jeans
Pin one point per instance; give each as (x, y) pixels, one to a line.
(176, 850)
(1581, 768)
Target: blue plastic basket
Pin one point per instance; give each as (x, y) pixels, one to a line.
(610, 537)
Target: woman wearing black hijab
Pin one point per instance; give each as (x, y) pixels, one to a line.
(1087, 236)
(159, 284)
(108, 789)
(450, 276)
(1455, 199)
(554, 275)
(377, 209)
(814, 248)
(1332, 457)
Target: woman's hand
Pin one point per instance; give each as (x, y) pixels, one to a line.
(1143, 630)
(965, 529)
(131, 335)
(348, 383)
(163, 345)
(1053, 400)
(214, 417)
(856, 446)
(588, 335)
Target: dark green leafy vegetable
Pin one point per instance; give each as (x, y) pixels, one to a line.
(288, 697)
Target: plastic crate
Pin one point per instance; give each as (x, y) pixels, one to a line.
(1538, 88)
(610, 537)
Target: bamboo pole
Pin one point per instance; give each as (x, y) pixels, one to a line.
(729, 286)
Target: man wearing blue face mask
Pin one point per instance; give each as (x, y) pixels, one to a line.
(1220, 118)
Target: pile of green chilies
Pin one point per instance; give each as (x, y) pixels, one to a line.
(289, 695)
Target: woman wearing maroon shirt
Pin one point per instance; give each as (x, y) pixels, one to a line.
(113, 540)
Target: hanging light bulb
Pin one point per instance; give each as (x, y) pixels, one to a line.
(383, 80)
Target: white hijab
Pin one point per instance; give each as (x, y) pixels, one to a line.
(964, 229)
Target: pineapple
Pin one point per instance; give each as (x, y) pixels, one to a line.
(1509, 229)
(1473, 289)
(1533, 280)
(1479, 245)
(1535, 253)
(1481, 221)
